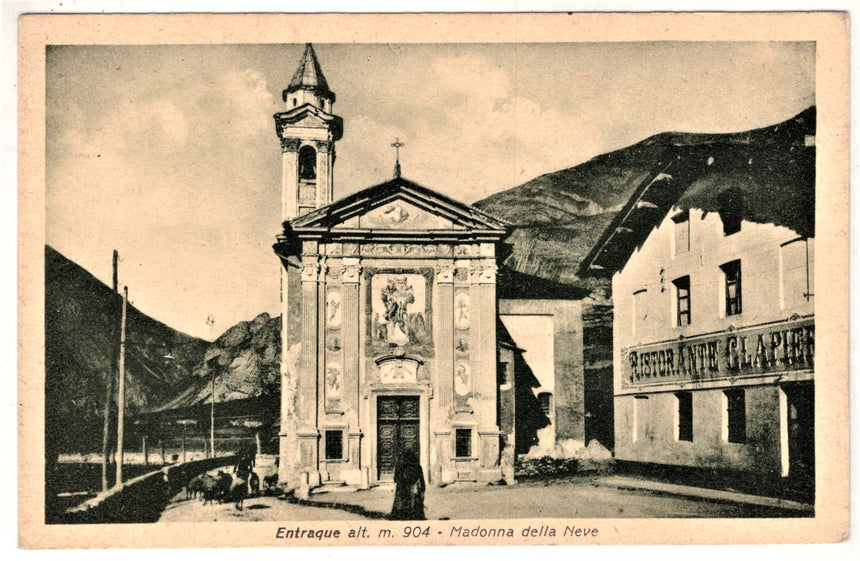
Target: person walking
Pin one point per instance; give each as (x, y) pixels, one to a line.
(409, 489)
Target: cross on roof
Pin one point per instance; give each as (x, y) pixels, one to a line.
(396, 145)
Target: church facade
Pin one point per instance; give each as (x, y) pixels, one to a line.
(389, 335)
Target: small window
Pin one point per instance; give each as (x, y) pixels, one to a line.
(640, 310)
(682, 300)
(682, 232)
(735, 416)
(796, 273)
(732, 271)
(333, 445)
(545, 400)
(685, 416)
(640, 419)
(307, 163)
(731, 204)
(463, 443)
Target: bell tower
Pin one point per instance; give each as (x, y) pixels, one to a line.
(307, 130)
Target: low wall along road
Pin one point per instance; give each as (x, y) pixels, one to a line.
(143, 498)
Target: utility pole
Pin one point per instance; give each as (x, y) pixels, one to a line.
(109, 389)
(212, 418)
(121, 391)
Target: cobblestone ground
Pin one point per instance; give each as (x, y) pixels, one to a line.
(579, 499)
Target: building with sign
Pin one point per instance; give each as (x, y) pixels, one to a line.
(714, 334)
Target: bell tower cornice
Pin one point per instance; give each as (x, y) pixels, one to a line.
(307, 130)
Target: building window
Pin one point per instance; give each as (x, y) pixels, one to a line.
(795, 271)
(463, 444)
(734, 416)
(545, 400)
(640, 310)
(682, 300)
(307, 163)
(684, 425)
(640, 418)
(732, 272)
(731, 205)
(333, 445)
(682, 232)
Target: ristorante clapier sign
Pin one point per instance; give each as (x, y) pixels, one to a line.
(758, 350)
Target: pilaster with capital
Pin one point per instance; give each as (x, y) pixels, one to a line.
(483, 277)
(350, 279)
(324, 183)
(444, 295)
(307, 384)
(289, 178)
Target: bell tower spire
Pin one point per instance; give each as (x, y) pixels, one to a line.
(307, 130)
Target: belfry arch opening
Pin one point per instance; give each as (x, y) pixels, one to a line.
(307, 163)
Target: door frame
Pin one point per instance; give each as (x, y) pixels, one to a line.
(423, 393)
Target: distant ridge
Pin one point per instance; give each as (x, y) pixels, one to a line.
(559, 216)
(82, 318)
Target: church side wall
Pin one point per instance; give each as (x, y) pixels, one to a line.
(568, 386)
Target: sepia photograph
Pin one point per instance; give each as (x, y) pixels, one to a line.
(414, 291)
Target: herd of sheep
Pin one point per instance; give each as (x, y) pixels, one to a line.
(223, 488)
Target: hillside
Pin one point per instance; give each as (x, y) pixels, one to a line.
(245, 361)
(559, 216)
(82, 317)
(557, 219)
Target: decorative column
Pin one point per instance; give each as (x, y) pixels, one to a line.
(351, 344)
(445, 336)
(289, 177)
(307, 386)
(483, 279)
(323, 173)
(289, 464)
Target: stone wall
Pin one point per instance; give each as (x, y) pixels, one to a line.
(143, 498)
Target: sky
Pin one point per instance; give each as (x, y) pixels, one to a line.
(169, 153)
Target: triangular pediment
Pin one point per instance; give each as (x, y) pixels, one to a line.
(399, 214)
(402, 205)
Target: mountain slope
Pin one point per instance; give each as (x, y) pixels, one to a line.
(557, 219)
(82, 317)
(559, 216)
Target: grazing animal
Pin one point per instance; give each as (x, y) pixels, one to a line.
(270, 482)
(238, 491)
(194, 488)
(216, 487)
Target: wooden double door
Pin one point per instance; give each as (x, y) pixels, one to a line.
(397, 430)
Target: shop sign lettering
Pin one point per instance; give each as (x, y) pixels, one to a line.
(729, 354)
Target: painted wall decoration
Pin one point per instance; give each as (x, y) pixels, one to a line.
(462, 310)
(462, 378)
(333, 381)
(400, 312)
(333, 311)
(400, 214)
(398, 371)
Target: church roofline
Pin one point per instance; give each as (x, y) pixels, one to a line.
(465, 215)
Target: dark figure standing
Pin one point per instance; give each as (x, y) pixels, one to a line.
(409, 490)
